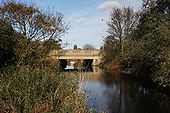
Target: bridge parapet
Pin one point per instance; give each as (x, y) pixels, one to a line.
(75, 53)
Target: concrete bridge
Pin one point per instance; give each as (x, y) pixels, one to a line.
(95, 55)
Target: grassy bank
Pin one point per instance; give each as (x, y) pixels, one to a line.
(39, 91)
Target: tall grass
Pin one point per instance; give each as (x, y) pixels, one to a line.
(31, 90)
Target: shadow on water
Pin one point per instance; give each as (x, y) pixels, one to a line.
(118, 94)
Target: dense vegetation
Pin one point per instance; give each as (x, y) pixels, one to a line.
(39, 90)
(28, 33)
(30, 81)
(145, 50)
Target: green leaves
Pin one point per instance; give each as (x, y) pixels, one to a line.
(148, 44)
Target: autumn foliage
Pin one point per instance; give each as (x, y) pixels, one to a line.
(35, 32)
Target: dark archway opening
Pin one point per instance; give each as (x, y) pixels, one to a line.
(63, 64)
(87, 64)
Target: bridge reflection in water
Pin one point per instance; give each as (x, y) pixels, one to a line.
(119, 94)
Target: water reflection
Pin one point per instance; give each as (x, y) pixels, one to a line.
(118, 94)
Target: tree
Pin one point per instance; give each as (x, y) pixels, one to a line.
(75, 46)
(148, 47)
(88, 47)
(122, 21)
(111, 48)
(33, 25)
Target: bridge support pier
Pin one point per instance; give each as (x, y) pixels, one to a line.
(96, 62)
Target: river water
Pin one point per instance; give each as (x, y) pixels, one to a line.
(113, 93)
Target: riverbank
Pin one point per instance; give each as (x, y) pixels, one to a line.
(117, 67)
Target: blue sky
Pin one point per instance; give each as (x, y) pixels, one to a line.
(87, 18)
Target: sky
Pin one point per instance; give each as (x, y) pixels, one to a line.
(87, 18)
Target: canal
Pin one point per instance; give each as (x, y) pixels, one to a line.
(110, 92)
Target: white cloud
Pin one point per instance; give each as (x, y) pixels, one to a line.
(79, 21)
(91, 31)
(108, 5)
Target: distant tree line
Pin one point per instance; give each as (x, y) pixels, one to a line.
(88, 47)
(141, 40)
(85, 47)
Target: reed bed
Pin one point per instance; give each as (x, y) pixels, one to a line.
(38, 90)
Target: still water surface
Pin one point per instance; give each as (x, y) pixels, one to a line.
(119, 94)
